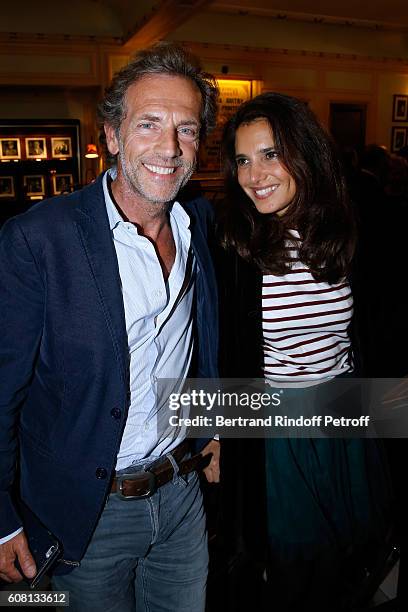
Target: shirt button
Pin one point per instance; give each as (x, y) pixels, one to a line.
(116, 413)
(101, 473)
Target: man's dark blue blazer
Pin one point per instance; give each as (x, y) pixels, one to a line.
(64, 358)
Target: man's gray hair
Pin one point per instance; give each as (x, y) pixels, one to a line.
(162, 58)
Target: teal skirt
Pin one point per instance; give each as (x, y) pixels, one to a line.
(324, 493)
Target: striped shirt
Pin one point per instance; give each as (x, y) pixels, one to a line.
(305, 325)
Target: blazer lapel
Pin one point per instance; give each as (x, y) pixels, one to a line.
(206, 301)
(95, 236)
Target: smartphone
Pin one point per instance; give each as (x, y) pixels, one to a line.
(43, 545)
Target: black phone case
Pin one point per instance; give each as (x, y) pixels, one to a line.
(43, 545)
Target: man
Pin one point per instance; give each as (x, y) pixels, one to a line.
(104, 292)
(35, 147)
(10, 149)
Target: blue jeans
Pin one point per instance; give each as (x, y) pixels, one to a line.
(146, 555)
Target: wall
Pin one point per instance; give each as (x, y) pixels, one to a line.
(268, 32)
(50, 17)
(52, 79)
(320, 78)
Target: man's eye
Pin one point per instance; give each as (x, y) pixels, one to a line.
(188, 131)
(241, 161)
(145, 125)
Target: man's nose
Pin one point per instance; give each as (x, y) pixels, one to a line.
(168, 145)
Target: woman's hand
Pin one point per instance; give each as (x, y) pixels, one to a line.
(212, 471)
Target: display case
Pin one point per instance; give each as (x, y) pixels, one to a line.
(38, 159)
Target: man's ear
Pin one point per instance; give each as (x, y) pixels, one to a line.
(111, 139)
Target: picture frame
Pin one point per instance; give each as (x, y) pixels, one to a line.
(400, 108)
(36, 148)
(34, 184)
(398, 138)
(7, 189)
(10, 148)
(62, 183)
(61, 147)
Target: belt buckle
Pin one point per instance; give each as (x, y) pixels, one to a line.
(132, 476)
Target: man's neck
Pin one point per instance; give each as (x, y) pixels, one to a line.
(149, 217)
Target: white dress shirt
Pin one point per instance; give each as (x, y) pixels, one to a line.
(159, 325)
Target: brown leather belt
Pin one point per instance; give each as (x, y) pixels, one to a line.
(145, 482)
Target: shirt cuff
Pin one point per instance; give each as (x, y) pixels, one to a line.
(12, 535)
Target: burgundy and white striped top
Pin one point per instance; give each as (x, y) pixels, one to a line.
(305, 325)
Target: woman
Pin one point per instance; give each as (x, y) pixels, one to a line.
(287, 309)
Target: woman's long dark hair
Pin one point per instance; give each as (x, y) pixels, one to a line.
(320, 210)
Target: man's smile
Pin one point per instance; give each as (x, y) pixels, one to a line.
(160, 169)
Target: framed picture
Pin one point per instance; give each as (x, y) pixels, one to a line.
(36, 148)
(10, 148)
(400, 108)
(61, 147)
(62, 183)
(7, 187)
(398, 138)
(34, 184)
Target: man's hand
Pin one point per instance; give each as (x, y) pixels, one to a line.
(16, 547)
(212, 471)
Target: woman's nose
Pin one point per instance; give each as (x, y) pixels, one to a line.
(257, 172)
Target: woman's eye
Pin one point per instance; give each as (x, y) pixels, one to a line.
(271, 155)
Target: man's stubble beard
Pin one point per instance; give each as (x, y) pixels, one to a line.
(135, 185)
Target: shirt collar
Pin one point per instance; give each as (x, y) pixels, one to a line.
(113, 213)
(114, 216)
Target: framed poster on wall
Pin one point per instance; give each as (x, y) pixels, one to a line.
(10, 148)
(35, 185)
(398, 138)
(7, 189)
(61, 147)
(36, 148)
(62, 183)
(400, 108)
